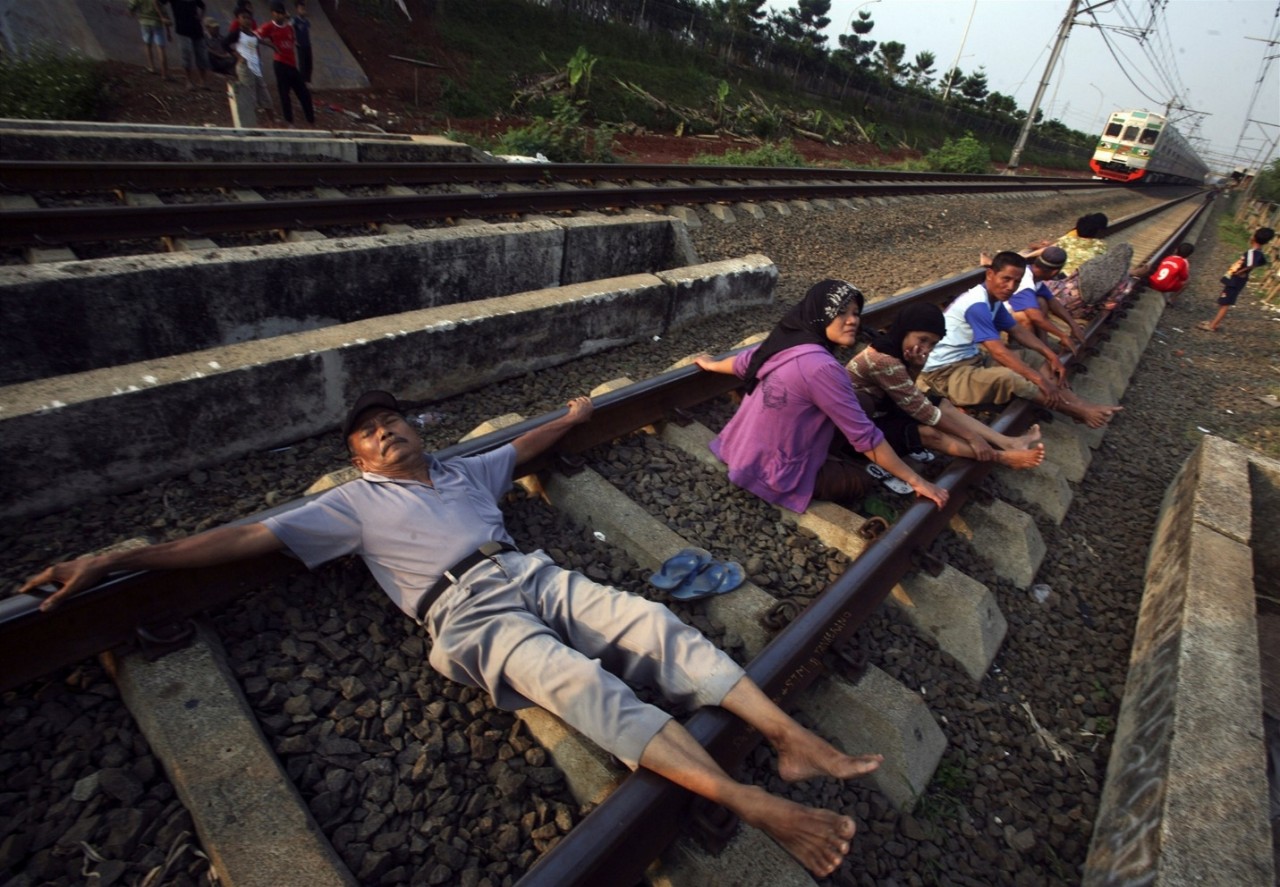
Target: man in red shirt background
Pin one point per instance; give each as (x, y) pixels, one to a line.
(279, 34)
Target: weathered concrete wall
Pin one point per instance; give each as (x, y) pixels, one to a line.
(40, 140)
(74, 317)
(1185, 800)
(115, 429)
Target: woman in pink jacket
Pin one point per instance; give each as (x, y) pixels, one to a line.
(778, 444)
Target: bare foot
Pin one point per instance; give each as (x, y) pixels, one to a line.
(1025, 441)
(818, 839)
(804, 755)
(1096, 417)
(1021, 459)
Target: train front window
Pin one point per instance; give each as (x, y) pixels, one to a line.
(1113, 130)
(1130, 134)
(1149, 136)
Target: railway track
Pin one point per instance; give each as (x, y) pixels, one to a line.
(204, 200)
(784, 667)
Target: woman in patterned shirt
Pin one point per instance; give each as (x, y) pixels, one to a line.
(883, 376)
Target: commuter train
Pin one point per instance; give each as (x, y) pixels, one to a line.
(1138, 146)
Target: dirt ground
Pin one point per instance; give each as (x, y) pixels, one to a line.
(403, 105)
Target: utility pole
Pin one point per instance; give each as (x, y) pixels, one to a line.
(952, 73)
(1063, 30)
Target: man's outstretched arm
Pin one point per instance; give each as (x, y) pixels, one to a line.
(218, 546)
(535, 442)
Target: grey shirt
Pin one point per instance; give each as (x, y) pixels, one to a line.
(407, 532)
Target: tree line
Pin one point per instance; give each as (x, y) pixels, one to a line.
(793, 42)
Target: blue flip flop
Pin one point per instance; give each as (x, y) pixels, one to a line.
(712, 579)
(679, 567)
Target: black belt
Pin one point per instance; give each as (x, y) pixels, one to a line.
(454, 573)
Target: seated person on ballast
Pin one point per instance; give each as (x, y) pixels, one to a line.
(1033, 301)
(972, 365)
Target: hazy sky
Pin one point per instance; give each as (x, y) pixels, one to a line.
(1202, 58)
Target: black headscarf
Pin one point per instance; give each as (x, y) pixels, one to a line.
(805, 324)
(924, 318)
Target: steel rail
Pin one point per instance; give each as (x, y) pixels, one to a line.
(59, 175)
(37, 227)
(110, 614)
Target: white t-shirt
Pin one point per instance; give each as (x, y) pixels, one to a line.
(247, 46)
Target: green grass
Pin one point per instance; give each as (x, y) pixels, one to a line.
(1234, 234)
(941, 801)
(44, 84)
(782, 154)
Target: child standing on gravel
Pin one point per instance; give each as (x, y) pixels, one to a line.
(1237, 276)
(249, 67)
(155, 32)
(1171, 274)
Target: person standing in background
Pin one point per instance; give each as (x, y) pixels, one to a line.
(1233, 282)
(155, 32)
(279, 35)
(187, 23)
(302, 33)
(249, 68)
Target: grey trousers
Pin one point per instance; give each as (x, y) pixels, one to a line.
(532, 633)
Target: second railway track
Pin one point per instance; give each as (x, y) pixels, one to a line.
(34, 215)
(376, 867)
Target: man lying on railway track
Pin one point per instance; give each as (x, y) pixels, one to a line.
(959, 367)
(525, 630)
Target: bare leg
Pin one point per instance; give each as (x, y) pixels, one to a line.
(1218, 318)
(1094, 415)
(801, 754)
(954, 446)
(960, 423)
(818, 839)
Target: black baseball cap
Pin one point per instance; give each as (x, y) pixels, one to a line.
(1052, 258)
(365, 402)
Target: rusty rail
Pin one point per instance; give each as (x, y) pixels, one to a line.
(47, 227)
(57, 175)
(109, 615)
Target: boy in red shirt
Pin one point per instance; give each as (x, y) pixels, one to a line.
(1171, 275)
(279, 34)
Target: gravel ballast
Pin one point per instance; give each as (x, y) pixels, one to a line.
(416, 780)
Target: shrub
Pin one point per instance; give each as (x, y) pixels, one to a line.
(966, 154)
(458, 101)
(43, 85)
(562, 138)
(781, 154)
